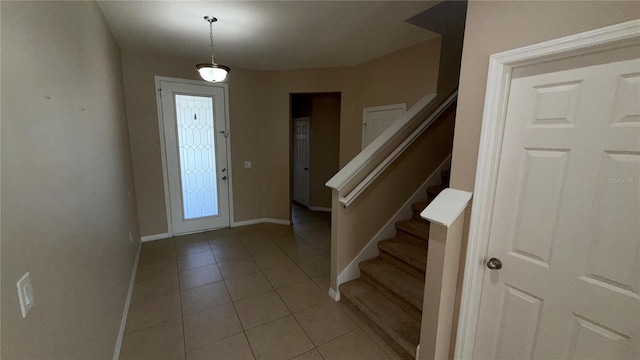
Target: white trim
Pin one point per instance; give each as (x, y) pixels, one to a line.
(229, 163)
(318, 208)
(261, 221)
(125, 312)
(365, 111)
(277, 221)
(247, 222)
(402, 106)
(501, 66)
(365, 157)
(370, 251)
(334, 295)
(373, 175)
(155, 237)
(446, 207)
(163, 153)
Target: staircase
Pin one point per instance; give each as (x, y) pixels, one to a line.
(388, 295)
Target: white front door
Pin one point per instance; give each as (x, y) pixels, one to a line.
(301, 154)
(195, 136)
(375, 120)
(566, 218)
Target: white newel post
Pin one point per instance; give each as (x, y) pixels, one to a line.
(446, 214)
(336, 229)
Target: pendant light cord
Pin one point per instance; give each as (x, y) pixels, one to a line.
(211, 38)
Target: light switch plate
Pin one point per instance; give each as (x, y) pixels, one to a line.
(247, 164)
(25, 294)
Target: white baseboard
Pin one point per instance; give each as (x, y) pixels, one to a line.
(370, 251)
(246, 222)
(155, 237)
(125, 313)
(317, 208)
(260, 221)
(234, 224)
(334, 295)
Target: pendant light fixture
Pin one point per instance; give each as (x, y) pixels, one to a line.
(212, 72)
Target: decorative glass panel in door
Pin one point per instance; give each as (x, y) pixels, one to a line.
(197, 149)
(196, 152)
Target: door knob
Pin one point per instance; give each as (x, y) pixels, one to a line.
(224, 177)
(494, 264)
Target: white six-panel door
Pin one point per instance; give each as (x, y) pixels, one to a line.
(195, 136)
(301, 160)
(566, 219)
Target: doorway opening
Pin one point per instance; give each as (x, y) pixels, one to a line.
(314, 151)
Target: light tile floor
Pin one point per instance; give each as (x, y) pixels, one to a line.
(255, 292)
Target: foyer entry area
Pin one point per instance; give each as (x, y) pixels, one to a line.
(258, 291)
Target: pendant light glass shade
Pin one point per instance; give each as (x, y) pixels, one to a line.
(212, 72)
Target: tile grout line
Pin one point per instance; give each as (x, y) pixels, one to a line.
(235, 310)
(184, 339)
(297, 322)
(244, 331)
(281, 299)
(315, 347)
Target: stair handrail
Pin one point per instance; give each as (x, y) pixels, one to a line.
(357, 167)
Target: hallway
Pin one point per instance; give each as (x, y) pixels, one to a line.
(253, 292)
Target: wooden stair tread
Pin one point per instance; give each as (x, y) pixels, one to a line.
(410, 253)
(395, 323)
(395, 279)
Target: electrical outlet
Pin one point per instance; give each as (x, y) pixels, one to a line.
(25, 294)
(247, 164)
(130, 237)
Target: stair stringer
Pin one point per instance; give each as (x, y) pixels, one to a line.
(370, 251)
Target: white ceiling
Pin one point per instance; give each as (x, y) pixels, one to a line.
(268, 35)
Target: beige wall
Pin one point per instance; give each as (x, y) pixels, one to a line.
(66, 174)
(325, 146)
(401, 77)
(495, 26)
(323, 110)
(276, 125)
(379, 202)
(415, 72)
(246, 92)
(260, 114)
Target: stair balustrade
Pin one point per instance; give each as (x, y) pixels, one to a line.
(366, 193)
